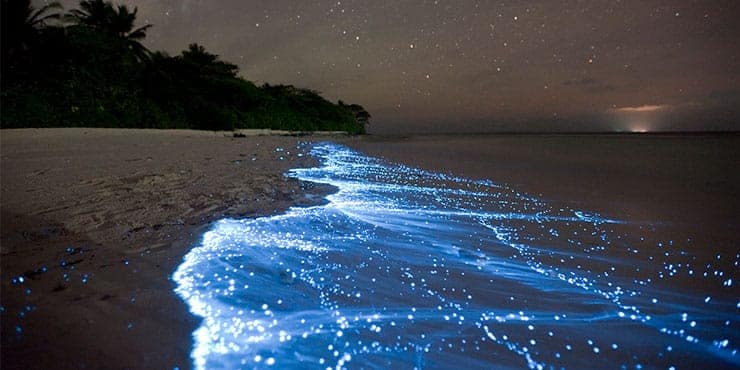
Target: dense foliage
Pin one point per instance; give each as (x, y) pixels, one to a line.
(88, 68)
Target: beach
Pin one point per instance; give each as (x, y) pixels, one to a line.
(369, 185)
(462, 259)
(94, 221)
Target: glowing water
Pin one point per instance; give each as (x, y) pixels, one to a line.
(409, 269)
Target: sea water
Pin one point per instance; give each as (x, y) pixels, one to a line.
(405, 268)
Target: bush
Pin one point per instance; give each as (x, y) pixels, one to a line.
(94, 72)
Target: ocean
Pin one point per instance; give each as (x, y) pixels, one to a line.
(558, 266)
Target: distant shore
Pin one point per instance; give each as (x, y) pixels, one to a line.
(94, 221)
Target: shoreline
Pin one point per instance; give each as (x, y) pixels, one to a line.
(95, 221)
(375, 232)
(117, 308)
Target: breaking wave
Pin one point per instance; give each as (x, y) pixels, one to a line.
(405, 268)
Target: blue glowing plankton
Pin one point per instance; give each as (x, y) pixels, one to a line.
(404, 268)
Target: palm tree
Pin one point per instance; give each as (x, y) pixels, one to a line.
(21, 10)
(208, 63)
(21, 22)
(117, 21)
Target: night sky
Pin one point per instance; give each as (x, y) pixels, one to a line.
(452, 66)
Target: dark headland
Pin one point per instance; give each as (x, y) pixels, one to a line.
(88, 68)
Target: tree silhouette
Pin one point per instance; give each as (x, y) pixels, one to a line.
(118, 21)
(21, 22)
(196, 56)
(360, 114)
(88, 71)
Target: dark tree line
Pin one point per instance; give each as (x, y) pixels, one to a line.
(88, 67)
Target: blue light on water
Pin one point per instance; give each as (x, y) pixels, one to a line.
(405, 268)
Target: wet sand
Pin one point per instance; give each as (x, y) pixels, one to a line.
(94, 221)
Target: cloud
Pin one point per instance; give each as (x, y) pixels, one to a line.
(640, 109)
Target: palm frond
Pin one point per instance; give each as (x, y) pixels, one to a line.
(76, 15)
(37, 19)
(139, 33)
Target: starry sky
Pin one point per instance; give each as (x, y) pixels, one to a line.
(481, 66)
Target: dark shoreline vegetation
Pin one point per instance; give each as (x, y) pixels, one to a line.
(87, 67)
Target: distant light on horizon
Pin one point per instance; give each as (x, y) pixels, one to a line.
(479, 56)
(640, 125)
(641, 118)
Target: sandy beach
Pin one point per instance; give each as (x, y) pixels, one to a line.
(94, 221)
(369, 185)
